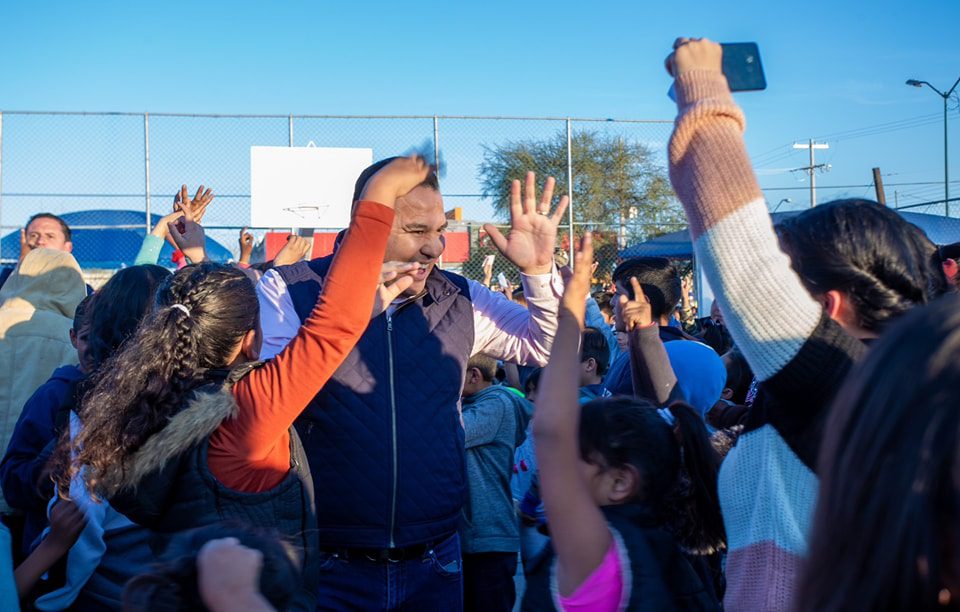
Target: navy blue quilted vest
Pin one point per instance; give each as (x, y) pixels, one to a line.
(383, 437)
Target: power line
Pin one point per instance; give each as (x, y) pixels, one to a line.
(783, 151)
(888, 126)
(854, 186)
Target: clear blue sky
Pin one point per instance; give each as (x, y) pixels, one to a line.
(831, 67)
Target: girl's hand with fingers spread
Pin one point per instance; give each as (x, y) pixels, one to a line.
(193, 209)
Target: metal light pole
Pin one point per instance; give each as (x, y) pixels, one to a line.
(946, 159)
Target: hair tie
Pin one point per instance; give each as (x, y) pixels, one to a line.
(185, 310)
(667, 416)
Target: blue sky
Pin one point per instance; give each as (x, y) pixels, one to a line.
(832, 67)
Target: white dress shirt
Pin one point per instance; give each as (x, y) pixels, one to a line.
(503, 329)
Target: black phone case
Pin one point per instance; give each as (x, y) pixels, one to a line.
(742, 67)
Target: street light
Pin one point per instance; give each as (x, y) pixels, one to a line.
(946, 169)
(781, 203)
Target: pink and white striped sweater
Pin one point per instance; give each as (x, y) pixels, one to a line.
(768, 483)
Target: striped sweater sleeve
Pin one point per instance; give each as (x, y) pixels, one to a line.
(768, 311)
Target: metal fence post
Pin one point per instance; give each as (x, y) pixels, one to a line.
(436, 144)
(146, 168)
(290, 131)
(570, 185)
(1, 174)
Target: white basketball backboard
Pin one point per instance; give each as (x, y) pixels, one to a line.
(304, 187)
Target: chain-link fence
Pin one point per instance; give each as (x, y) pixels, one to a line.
(112, 175)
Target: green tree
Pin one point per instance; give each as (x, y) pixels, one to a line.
(617, 185)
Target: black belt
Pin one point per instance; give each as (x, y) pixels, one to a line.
(384, 555)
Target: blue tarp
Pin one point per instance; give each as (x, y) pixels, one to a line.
(110, 248)
(677, 245)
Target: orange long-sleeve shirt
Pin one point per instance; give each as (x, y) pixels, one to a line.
(251, 453)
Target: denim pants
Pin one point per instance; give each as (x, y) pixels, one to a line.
(432, 581)
(488, 581)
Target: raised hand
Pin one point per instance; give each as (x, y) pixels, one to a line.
(25, 246)
(633, 314)
(577, 288)
(533, 230)
(228, 576)
(694, 54)
(189, 238)
(487, 271)
(394, 280)
(246, 246)
(193, 209)
(396, 180)
(297, 248)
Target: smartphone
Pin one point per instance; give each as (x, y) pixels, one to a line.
(742, 67)
(502, 279)
(488, 260)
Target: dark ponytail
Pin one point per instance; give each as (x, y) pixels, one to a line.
(676, 463)
(697, 493)
(201, 313)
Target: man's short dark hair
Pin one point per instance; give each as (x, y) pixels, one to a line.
(486, 365)
(658, 278)
(595, 346)
(63, 224)
(604, 302)
(431, 181)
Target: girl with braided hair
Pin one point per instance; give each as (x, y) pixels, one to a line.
(183, 429)
(863, 262)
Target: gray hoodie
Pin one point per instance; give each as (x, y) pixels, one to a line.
(495, 422)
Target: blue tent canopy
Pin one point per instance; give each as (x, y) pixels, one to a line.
(677, 245)
(113, 244)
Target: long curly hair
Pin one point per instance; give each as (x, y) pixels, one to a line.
(199, 318)
(884, 264)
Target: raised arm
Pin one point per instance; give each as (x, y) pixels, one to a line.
(271, 397)
(769, 313)
(506, 330)
(653, 376)
(578, 528)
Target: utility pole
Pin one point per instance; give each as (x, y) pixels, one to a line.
(813, 167)
(878, 187)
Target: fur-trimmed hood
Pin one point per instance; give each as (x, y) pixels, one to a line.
(208, 407)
